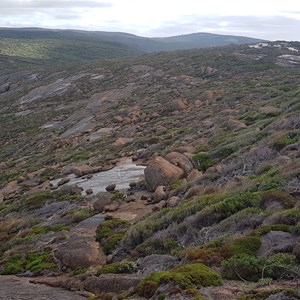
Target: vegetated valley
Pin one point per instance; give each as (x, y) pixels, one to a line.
(216, 215)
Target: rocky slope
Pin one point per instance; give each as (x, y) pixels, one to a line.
(217, 133)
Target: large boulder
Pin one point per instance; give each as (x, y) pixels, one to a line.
(180, 161)
(102, 199)
(81, 170)
(79, 252)
(161, 172)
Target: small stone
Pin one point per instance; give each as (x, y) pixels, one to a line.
(111, 187)
(173, 201)
(109, 259)
(159, 205)
(89, 191)
(63, 181)
(112, 207)
(144, 197)
(160, 194)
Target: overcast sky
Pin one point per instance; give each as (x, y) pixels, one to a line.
(267, 19)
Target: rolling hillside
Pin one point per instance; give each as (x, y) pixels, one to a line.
(44, 46)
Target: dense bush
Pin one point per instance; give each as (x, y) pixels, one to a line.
(185, 277)
(110, 232)
(32, 261)
(122, 267)
(203, 161)
(215, 252)
(248, 267)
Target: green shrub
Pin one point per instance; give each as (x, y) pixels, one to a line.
(280, 265)
(110, 232)
(284, 198)
(286, 139)
(117, 196)
(248, 245)
(215, 252)
(203, 161)
(223, 152)
(274, 227)
(33, 261)
(186, 277)
(123, 267)
(159, 246)
(245, 267)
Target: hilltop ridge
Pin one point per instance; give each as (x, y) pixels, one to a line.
(44, 46)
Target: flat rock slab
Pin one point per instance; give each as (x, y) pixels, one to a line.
(111, 283)
(80, 248)
(14, 288)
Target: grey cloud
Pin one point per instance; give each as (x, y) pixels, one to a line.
(66, 17)
(27, 8)
(36, 4)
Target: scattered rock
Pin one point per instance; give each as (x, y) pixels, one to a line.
(89, 191)
(159, 205)
(173, 201)
(118, 119)
(111, 207)
(84, 169)
(160, 194)
(111, 187)
(4, 88)
(63, 181)
(103, 199)
(207, 95)
(121, 142)
(161, 172)
(194, 174)
(236, 125)
(179, 104)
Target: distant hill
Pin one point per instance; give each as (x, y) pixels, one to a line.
(37, 45)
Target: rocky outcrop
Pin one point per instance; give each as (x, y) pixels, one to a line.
(161, 172)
